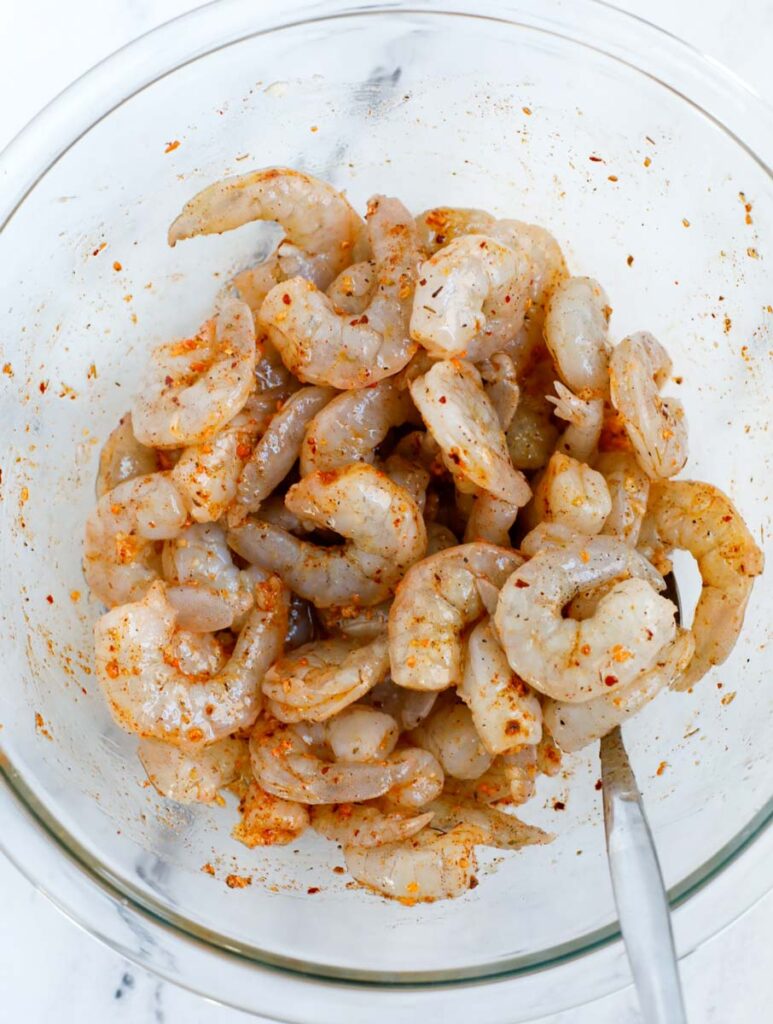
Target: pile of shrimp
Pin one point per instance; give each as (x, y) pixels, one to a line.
(387, 534)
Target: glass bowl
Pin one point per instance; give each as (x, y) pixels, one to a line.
(649, 165)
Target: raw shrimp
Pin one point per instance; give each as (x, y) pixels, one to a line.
(471, 298)
(353, 289)
(501, 379)
(504, 831)
(361, 733)
(585, 417)
(532, 435)
(285, 765)
(430, 866)
(505, 711)
(450, 734)
(123, 457)
(442, 224)
(440, 537)
(570, 660)
(267, 820)
(355, 622)
(460, 417)
(656, 426)
(322, 346)
(576, 725)
(192, 388)
(315, 217)
(408, 707)
(510, 779)
(193, 774)
(382, 523)
(547, 266)
(350, 428)
(279, 447)
(137, 665)
(316, 681)
(490, 520)
(410, 476)
(121, 559)
(423, 781)
(571, 493)
(253, 284)
(699, 518)
(365, 826)
(434, 602)
(629, 488)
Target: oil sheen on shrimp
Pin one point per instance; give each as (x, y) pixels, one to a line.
(571, 493)
(192, 774)
(366, 825)
(123, 457)
(449, 733)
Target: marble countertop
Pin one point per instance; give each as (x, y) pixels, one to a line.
(49, 969)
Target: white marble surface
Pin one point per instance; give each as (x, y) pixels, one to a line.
(45, 960)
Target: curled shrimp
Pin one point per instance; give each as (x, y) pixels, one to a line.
(317, 680)
(315, 217)
(574, 726)
(440, 225)
(699, 518)
(192, 388)
(629, 488)
(429, 866)
(353, 289)
(356, 622)
(490, 520)
(285, 765)
(138, 664)
(350, 428)
(192, 774)
(439, 537)
(570, 660)
(278, 449)
(656, 426)
(382, 523)
(460, 417)
(547, 266)
(322, 346)
(123, 457)
(571, 493)
(494, 828)
(449, 733)
(267, 820)
(501, 379)
(407, 707)
(434, 602)
(365, 826)
(423, 781)
(121, 558)
(361, 733)
(505, 712)
(470, 298)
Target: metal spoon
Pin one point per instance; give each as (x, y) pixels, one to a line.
(637, 882)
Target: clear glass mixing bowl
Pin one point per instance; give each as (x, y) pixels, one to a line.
(640, 156)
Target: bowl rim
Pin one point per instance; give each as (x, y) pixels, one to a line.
(673, 64)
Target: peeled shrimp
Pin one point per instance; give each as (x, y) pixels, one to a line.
(350, 428)
(365, 826)
(315, 217)
(656, 426)
(470, 298)
(629, 488)
(699, 518)
(570, 660)
(352, 290)
(547, 267)
(490, 520)
(505, 712)
(571, 493)
(585, 418)
(430, 866)
(440, 537)
(410, 476)
(120, 556)
(285, 765)
(192, 775)
(192, 388)
(267, 820)
(510, 779)
(434, 602)
(137, 665)
(408, 707)
(356, 622)
(576, 725)
(501, 379)
(322, 346)
(317, 680)
(504, 831)
(450, 734)
(423, 780)
(382, 523)
(361, 733)
(460, 417)
(123, 457)
(279, 447)
(437, 227)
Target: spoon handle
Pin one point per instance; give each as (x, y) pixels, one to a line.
(640, 895)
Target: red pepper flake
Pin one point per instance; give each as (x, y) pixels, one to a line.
(474, 883)
(598, 785)
(40, 725)
(99, 248)
(596, 159)
(629, 261)
(521, 584)
(208, 869)
(286, 299)
(312, 890)
(339, 870)
(50, 598)
(728, 324)
(610, 680)
(685, 222)
(91, 373)
(8, 369)
(662, 767)
(527, 111)
(171, 146)
(647, 161)
(117, 266)
(43, 387)
(558, 805)
(612, 177)
(442, 399)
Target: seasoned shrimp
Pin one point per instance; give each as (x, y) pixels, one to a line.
(353, 289)
(505, 712)
(501, 379)
(699, 518)
(471, 298)
(576, 725)
(440, 537)
(571, 493)
(408, 707)
(532, 435)
(504, 831)
(449, 733)
(629, 488)
(656, 426)
(442, 224)
(137, 664)
(570, 660)
(316, 681)
(192, 388)
(322, 346)
(365, 825)
(315, 217)
(382, 523)
(585, 418)
(193, 774)
(490, 519)
(267, 820)
(362, 733)
(434, 602)
(350, 428)
(123, 457)
(410, 476)
(547, 266)
(279, 447)
(423, 781)
(121, 559)
(285, 765)
(460, 417)
(356, 622)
